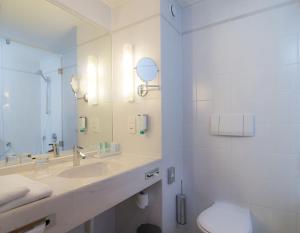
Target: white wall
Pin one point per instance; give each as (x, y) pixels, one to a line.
(144, 35)
(2, 139)
(171, 70)
(239, 59)
(103, 223)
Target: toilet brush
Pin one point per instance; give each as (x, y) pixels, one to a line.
(181, 208)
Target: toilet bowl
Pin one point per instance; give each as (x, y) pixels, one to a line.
(223, 217)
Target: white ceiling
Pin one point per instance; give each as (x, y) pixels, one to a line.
(42, 24)
(116, 3)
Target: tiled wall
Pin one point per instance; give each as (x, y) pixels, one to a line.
(243, 56)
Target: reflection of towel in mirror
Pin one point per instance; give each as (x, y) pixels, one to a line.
(37, 191)
(38, 229)
(11, 188)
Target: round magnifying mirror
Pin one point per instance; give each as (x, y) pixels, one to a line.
(146, 69)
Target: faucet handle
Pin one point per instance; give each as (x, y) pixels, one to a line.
(76, 147)
(55, 149)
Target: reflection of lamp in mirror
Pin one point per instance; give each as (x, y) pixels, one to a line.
(128, 81)
(101, 80)
(92, 75)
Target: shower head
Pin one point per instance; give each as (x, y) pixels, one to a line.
(40, 73)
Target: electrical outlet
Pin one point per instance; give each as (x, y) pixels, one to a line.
(95, 125)
(131, 125)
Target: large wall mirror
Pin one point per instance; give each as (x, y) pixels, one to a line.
(42, 47)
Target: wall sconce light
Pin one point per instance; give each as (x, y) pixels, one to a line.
(92, 78)
(128, 79)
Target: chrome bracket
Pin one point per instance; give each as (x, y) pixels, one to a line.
(144, 89)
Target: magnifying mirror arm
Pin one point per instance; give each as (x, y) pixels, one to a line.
(84, 97)
(144, 89)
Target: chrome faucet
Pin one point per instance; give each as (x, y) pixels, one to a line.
(77, 155)
(55, 149)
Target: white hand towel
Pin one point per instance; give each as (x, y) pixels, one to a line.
(37, 191)
(11, 189)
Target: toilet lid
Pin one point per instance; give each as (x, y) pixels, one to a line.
(225, 218)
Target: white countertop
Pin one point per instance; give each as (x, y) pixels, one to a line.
(124, 176)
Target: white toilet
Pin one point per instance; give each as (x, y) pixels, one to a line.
(223, 217)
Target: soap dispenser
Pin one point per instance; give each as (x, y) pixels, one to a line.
(142, 121)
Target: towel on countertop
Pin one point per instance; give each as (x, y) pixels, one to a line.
(11, 188)
(37, 191)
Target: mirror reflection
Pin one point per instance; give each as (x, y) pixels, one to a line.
(39, 56)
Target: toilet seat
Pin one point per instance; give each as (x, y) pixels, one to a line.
(223, 217)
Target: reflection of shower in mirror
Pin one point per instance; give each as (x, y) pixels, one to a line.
(47, 110)
(47, 81)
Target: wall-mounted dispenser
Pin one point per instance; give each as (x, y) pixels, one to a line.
(82, 124)
(142, 123)
(147, 71)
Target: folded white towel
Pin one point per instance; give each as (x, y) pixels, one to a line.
(11, 188)
(37, 191)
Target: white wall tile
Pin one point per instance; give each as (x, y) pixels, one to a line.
(250, 65)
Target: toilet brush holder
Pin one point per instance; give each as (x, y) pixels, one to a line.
(181, 208)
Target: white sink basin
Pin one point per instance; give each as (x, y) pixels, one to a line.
(90, 170)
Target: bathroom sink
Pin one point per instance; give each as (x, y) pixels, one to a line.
(90, 170)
